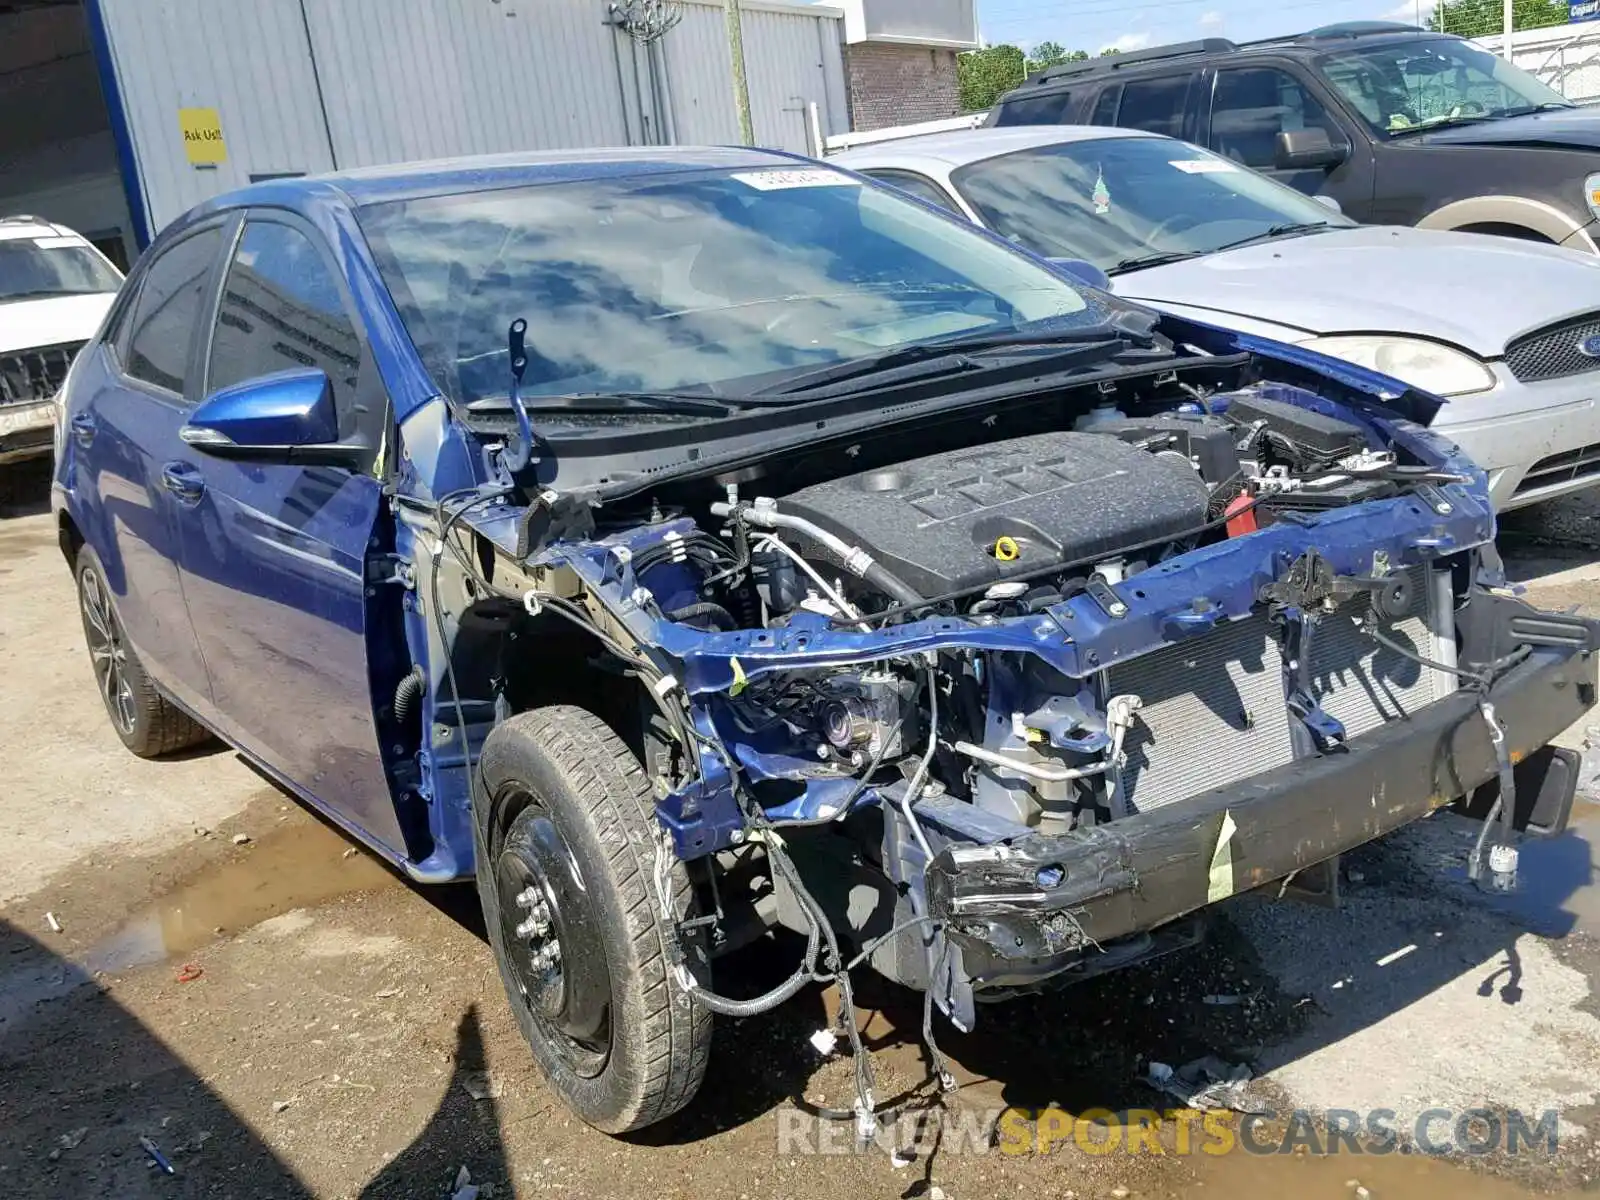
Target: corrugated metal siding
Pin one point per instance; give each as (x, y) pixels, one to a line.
(413, 79)
(416, 79)
(246, 59)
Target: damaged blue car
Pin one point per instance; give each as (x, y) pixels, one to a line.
(687, 545)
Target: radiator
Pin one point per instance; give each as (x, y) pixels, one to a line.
(1214, 709)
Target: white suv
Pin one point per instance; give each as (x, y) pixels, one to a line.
(55, 289)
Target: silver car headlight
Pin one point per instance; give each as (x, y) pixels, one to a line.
(1427, 365)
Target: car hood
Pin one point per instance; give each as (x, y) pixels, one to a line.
(1578, 128)
(25, 324)
(1381, 279)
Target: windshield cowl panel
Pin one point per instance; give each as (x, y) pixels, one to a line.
(699, 280)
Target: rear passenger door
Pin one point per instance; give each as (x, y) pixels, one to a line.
(1251, 105)
(1157, 103)
(275, 553)
(127, 455)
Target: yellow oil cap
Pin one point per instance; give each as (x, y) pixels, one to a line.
(1007, 550)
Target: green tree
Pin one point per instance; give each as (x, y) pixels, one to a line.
(1109, 51)
(1052, 54)
(1486, 18)
(985, 75)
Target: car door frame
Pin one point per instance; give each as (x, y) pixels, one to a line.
(1353, 183)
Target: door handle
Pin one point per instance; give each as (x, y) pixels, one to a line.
(83, 429)
(184, 482)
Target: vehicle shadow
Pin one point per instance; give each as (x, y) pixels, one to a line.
(70, 1131)
(29, 491)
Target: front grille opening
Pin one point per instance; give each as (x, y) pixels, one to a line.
(1554, 353)
(1566, 467)
(27, 376)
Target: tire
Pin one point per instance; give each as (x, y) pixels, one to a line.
(568, 816)
(148, 723)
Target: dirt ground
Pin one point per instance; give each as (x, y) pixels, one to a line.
(284, 1017)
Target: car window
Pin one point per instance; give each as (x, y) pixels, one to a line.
(919, 186)
(39, 267)
(1116, 200)
(1398, 87)
(1105, 108)
(1049, 109)
(1155, 104)
(169, 311)
(693, 279)
(281, 308)
(1251, 106)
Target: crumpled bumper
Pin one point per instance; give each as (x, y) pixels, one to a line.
(27, 431)
(1137, 873)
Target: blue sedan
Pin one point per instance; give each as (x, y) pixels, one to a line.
(683, 544)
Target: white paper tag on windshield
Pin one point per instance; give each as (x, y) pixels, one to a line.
(798, 177)
(1205, 166)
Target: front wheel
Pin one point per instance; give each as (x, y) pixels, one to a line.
(566, 872)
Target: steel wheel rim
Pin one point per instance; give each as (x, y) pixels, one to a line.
(545, 905)
(108, 652)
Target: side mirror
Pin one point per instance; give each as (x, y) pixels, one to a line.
(1305, 149)
(283, 417)
(1329, 203)
(1081, 271)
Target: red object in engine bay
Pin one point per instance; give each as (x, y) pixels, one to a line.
(1241, 514)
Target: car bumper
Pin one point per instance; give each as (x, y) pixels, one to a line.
(1135, 874)
(27, 431)
(1537, 441)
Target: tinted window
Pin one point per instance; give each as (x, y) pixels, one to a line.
(1105, 108)
(280, 309)
(1251, 107)
(1155, 104)
(169, 311)
(1050, 109)
(919, 186)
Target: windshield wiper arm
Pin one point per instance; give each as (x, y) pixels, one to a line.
(607, 403)
(1153, 260)
(1276, 231)
(949, 355)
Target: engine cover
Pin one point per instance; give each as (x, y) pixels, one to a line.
(1060, 497)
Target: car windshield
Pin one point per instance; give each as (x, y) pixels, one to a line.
(32, 268)
(1400, 87)
(1117, 201)
(681, 280)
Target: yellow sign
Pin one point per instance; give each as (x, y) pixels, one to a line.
(202, 136)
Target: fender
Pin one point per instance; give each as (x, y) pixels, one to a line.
(1534, 215)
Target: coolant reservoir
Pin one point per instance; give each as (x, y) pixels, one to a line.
(1098, 418)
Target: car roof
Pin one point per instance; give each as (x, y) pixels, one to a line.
(974, 145)
(443, 177)
(22, 226)
(1157, 58)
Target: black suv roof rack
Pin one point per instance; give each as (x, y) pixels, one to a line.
(1113, 62)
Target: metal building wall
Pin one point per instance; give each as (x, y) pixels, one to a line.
(303, 86)
(245, 58)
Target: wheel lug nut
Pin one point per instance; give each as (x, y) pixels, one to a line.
(528, 897)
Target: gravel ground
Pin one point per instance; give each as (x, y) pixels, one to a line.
(285, 1017)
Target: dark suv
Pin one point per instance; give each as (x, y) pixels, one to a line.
(1398, 125)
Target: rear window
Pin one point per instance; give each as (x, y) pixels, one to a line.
(1048, 109)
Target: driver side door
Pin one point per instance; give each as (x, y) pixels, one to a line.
(274, 553)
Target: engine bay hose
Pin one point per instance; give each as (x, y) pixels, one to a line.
(765, 515)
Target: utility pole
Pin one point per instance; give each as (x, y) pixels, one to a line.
(1510, 20)
(741, 82)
